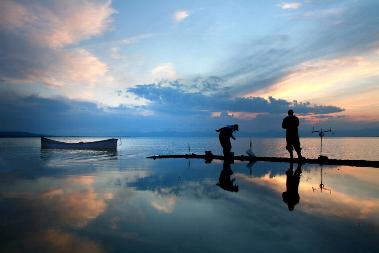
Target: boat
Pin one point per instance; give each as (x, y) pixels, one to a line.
(109, 144)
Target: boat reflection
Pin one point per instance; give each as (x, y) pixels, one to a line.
(291, 196)
(225, 181)
(51, 154)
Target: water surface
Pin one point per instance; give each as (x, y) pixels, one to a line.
(97, 201)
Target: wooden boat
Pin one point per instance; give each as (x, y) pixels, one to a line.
(109, 144)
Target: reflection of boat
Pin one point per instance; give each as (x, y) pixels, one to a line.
(109, 144)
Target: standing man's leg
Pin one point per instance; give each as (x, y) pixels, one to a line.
(289, 146)
(227, 149)
(298, 148)
(226, 145)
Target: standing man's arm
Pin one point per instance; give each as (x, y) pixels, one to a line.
(284, 124)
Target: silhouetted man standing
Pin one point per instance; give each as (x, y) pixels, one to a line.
(291, 123)
(224, 136)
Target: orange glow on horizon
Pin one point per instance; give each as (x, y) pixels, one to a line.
(350, 82)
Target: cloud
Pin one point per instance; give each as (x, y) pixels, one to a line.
(35, 37)
(115, 53)
(13, 15)
(136, 39)
(57, 24)
(311, 79)
(174, 99)
(164, 71)
(292, 6)
(169, 108)
(180, 15)
(265, 61)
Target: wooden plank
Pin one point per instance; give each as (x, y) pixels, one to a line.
(356, 163)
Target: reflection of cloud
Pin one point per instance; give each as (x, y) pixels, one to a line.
(48, 207)
(61, 242)
(75, 203)
(366, 175)
(338, 204)
(83, 180)
(51, 193)
(79, 203)
(163, 202)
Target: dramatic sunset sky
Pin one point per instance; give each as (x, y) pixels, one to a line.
(140, 66)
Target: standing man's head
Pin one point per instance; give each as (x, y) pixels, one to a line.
(235, 127)
(290, 112)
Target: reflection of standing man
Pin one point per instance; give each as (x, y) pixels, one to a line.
(291, 196)
(224, 181)
(224, 136)
(291, 123)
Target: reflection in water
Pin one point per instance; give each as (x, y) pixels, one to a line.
(47, 154)
(250, 167)
(291, 197)
(321, 185)
(225, 181)
(69, 158)
(39, 209)
(85, 201)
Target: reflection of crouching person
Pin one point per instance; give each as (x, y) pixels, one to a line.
(224, 181)
(224, 136)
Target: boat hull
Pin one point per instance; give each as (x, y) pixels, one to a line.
(109, 144)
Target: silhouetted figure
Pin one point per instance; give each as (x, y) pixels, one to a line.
(224, 136)
(291, 123)
(291, 197)
(224, 181)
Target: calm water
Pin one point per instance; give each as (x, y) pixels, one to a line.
(94, 201)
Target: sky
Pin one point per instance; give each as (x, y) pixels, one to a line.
(127, 67)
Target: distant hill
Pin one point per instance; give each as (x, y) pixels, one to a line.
(18, 134)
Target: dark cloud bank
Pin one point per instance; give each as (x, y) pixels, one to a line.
(173, 99)
(172, 111)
